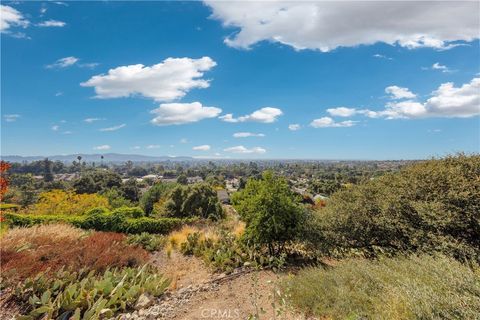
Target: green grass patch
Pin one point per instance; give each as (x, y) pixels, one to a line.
(418, 287)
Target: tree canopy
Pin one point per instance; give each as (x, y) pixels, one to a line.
(272, 215)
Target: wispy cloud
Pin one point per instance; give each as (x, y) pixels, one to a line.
(52, 23)
(91, 120)
(244, 150)
(153, 146)
(63, 63)
(247, 134)
(204, 147)
(11, 117)
(71, 61)
(381, 56)
(102, 147)
(114, 128)
(294, 127)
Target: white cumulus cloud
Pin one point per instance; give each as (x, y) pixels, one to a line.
(247, 134)
(10, 17)
(180, 113)
(204, 147)
(165, 81)
(153, 146)
(244, 150)
(397, 93)
(327, 122)
(102, 147)
(441, 67)
(326, 25)
(263, 115)
(342, 112)
(447, 101)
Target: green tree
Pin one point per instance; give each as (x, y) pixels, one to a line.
(47, 173)
(154, 194)
(116, 199)
(97, 181)
(182, 179)
(271, 213)
(130, 190)
(199, 200)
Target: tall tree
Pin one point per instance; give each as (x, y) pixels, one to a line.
(47, 173)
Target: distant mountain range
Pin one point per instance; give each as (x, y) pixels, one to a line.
(107, 157)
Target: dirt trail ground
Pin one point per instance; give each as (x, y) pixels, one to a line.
(198, 294)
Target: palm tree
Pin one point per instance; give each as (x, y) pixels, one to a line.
(101, 157)
(80, 162)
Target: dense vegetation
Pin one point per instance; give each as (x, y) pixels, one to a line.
(398, 240)
(272, 216)
(432, 206)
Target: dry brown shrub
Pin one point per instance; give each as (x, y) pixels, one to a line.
(25, 252)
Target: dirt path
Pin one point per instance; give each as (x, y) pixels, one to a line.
(197, 294)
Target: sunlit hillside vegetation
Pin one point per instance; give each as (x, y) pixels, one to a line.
(397, 245)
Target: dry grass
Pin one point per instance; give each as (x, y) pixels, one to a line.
(25, 252)
(18, 237)
(176, 238)
(422, 287)
(238, 229)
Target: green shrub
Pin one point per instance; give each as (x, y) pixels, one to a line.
(9, 206)
(154, 194)
(129, 212)
(273, 218)
(116, 198)
(103, 222)
(226, 252)
(86, 295)
(419, 287)
(98, 210)
(429, 206)
(29, 220)
(149, 242)
(199, 200)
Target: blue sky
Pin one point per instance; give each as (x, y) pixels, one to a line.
(285, 85)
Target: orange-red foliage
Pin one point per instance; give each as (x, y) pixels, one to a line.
(27, 252)
(4, 166)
